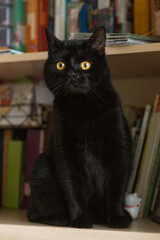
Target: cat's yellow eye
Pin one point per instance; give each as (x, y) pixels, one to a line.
(85, 65)
(60, 65)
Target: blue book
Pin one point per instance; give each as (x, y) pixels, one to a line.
(82, 21)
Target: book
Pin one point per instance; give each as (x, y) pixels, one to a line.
(42, 24)
(156, 210)
(139, 148)
(32, 151)
(14, 178)
(141, 17)
(119, 39)
(149, 159)
(31, 25)
(59, 23)
(6, 51)
(1, 160)
(124, 12)
(6, 24)
(104, 17)
(19, 25)
(51, 15)
(155, 20)
(152, 186)
(7, 136)
(72, 18)
(155, 192)
(82, 18)
(151, 125)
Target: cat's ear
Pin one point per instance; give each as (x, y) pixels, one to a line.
(97, 40)
(52, 41)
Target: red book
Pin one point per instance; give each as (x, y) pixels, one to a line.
(42, 24)
(33, 144)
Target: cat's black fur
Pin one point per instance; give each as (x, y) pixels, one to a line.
(82, 177)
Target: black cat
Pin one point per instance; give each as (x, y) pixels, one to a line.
(82, 178)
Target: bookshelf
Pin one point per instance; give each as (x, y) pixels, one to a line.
(136, 76)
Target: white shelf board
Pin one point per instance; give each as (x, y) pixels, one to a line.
(14, 225)
(116, 50)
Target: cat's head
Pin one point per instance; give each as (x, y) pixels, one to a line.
(76, 66)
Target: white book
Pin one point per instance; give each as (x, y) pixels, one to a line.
(139, 147)
(122, 12)
(149, 161)
(103, 4)
(59, 19)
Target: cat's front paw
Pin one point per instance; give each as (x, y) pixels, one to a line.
(116, 221)
(82, 221)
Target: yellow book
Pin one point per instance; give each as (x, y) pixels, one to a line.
(141, 17)
(146, 143)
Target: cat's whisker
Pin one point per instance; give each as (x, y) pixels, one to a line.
(94, 98)
(99, 94)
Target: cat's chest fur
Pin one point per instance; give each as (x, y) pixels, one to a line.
(89, 137)
(93, 168)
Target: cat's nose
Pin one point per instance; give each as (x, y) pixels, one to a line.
(71, 74)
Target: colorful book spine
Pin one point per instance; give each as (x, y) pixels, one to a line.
(14, 173)
(19, 25)
(141, 16)
(31, 25)
(33, 148)
(7, 136)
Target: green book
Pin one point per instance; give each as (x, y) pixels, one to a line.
(19, 25)
(152, 186)
(14, 173)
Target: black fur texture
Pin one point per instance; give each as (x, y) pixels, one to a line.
(81, 179)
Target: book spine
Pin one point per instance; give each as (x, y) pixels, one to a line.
(141, 16)
(34, 138)
(59, 23)
(31, 25)
(13, 187)
(151, 124)
(51, 15)
(19, 25)
(42, 24)
(155, 192)
(7, 136)
(139, 147)
(45, 25)
(1, 160)
(124, 26)
(156, 210)
(155, 19)
(152, 185)
(149, 161)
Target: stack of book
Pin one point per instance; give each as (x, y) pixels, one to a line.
(145, 175)
(118, 39)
